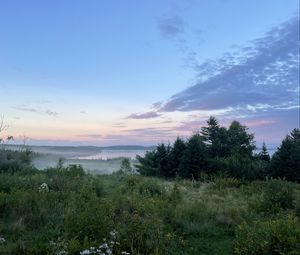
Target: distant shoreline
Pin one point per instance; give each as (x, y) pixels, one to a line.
(97, 148)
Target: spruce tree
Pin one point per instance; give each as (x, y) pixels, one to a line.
(264, 155)
(175, 157)
(285, 162)
(162, 158)
(215, 137)
(195, 158)
(240, 142)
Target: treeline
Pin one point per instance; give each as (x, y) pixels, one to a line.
(226, 151)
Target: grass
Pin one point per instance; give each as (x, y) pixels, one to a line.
(150, 215)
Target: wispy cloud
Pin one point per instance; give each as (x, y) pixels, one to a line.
(92, 136)
(119, 125)
(146, 115)
(170, 27)
(26, 108)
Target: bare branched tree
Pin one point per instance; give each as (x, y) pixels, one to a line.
(3, 126)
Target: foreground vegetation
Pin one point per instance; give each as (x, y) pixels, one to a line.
(67, 211)
(208, 195)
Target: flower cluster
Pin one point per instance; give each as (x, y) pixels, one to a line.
(44, 188)
(60, 247)
(2, 240)
(105, 248)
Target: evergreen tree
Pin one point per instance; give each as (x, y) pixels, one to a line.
(147, 165)
(209, 133)
(162, 158)
(175, 157)
(285, 162)
(264, 155)
(194, 159)
(240, 142)
(215, 137)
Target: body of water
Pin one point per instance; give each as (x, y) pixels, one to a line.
(111, 154)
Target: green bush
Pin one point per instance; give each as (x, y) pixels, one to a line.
(151, 187)
(269, 237)
(241, 167)
(14, 161)
(277, 195)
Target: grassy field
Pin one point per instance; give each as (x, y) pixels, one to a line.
(66, 211)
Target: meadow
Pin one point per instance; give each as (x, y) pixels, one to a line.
(68, 211)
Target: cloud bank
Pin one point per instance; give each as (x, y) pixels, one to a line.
(260, 77)
(257, 85)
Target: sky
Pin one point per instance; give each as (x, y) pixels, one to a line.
(116, 72)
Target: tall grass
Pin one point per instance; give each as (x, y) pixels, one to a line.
(66, 211)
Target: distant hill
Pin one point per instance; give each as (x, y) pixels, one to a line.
(81, 148)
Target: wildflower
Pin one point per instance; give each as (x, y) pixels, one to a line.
(106, 248)
(104, 245)
(62, 252)
(44, 187)
(85, 252)
(2, 240)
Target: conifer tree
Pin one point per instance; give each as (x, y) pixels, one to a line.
(195, 158)
(264, 155)
(240, 142)
(215, 137)
(175, 157)
(285, 162)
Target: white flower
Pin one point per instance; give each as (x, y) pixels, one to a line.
(85, 252)
(104, 245)
(44, 187)
(2, 240)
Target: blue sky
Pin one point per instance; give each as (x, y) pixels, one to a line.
(139, 72)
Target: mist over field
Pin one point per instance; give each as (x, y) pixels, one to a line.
(97, 160)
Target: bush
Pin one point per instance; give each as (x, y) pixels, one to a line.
(268, 237)
(241, 167)
(151, 188)
(14, 161)
(277, 195)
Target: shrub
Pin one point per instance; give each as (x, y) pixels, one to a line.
(14, 161)
(126, 167)
(151, 187)
(274, 236)
(277, 195)
(241, 167)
